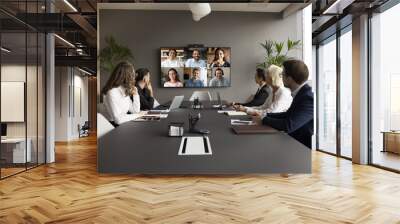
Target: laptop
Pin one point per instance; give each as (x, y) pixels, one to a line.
(176, 103)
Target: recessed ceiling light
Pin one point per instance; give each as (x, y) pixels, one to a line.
(70, 5)
(5, 50)
(84, 71)
(64, 40)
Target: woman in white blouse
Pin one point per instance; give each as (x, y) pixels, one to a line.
(117, 91)
(279, 99)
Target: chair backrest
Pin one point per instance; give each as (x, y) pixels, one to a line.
(86, 125)
(103, 126)
(202, 95)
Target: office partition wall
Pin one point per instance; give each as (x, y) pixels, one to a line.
(22, 77)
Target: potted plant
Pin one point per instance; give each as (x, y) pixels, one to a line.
(113, 54)
(275, 54)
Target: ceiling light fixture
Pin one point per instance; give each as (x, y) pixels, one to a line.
(199, 10)
(70, 5)
(337, 7)
(5, 50)
(84, 71)
(64, 40)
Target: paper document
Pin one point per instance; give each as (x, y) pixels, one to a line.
(241, 122)
(232, 112)
(148, 118)
(196, 145)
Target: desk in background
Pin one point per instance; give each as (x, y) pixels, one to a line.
(13, 150)
(391, 141)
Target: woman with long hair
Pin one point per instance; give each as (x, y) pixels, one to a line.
(117, 93)
(219, 59)
(278, 101)
(173, 79)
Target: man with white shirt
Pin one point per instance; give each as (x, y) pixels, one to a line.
(298, 120)
(195, 61)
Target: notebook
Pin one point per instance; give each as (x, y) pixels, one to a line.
(253, 129)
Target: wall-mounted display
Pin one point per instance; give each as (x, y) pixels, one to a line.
(195, 67)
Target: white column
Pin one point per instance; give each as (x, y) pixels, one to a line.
(50, 99)
(360, 90)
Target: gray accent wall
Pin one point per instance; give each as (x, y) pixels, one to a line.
(144, 32)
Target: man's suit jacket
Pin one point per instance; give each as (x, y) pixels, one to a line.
(259, 98)
(298, 120)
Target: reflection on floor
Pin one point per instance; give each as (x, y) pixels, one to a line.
(71, 191)
(11, 169)
(387, 159)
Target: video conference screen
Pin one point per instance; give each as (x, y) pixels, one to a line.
(196, 67)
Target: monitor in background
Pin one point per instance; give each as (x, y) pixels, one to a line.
(3, 130)
(195, 67)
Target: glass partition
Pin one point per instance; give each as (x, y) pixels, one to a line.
(346, 93)
(385, 89)
(13, 94)
(327, 96)
(22, 78)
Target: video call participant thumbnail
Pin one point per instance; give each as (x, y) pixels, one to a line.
(196, 60)
(172, 60)
(219, 59)
(195, 80)
(173, 79)
(219, 80)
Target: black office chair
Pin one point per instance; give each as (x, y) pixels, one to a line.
(84, 130)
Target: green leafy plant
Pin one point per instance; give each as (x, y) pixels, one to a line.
(113, 54)
(275, 54)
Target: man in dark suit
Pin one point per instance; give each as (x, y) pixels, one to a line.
(262, 92)
(298, 120)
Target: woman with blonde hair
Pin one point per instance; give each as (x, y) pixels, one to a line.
(117, 93)
(279, 99)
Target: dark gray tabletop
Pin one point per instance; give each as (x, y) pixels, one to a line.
(145, 148)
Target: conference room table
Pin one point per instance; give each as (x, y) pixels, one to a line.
(144, 147)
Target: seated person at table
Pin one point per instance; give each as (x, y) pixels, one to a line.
(195, 81)
(117, 95)
(262, 91)
(278, 101)
(219, 59)
(298, 120)
(195, 61)
(219, 80)
(145, 89)
(172, 60)
(173, 79)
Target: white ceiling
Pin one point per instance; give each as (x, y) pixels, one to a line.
(232, 7)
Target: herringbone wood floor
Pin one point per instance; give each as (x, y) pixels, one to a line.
(71, 191)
